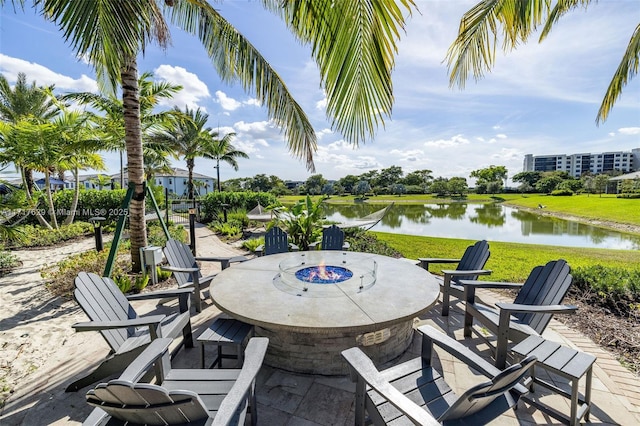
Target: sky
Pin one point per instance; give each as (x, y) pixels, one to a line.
(540, 99)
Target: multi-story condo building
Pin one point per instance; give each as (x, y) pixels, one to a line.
(578, 164)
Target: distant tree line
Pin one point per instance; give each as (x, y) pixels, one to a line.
(392, 180)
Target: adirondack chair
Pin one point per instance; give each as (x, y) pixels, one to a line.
(538, 299)
(112, 314)
(415, 393)
(275, 241)
(186, 270)
(332, 239)
(182, 396)
(470, 266)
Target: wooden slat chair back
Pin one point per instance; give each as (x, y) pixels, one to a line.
(275, 241)
(474, 258)
(126, 333)
(186, 270)
(332, 238)
(179, 254)
(182, 396)
(416, 393)
(470, 266)
(538, 299)
(101, 299)
(545, 286)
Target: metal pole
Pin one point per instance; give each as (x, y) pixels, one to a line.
(192, 230)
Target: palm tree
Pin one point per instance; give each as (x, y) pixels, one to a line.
(22, 102)
(354, 43)
(223, 150)
(111, 120)
(188, 137)
(474, 48)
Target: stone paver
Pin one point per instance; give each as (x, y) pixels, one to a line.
(283, 398)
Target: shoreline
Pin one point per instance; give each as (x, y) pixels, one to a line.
(615, 226)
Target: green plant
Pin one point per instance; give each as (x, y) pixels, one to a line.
(141, 282)
(614, 288)
(302, 221)
(253, 243)
(8, 261)
(60, 276)
(162, 274)
(363, 241)
(37, 236)
(561, 192)
(123, 282)
(226, 229)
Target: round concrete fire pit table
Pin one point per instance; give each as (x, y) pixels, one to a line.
(309, 324)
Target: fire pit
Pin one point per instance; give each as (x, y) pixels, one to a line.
(311, 315)
(306, 274)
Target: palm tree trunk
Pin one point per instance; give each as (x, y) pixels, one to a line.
(218, 173)
(41, 220)
(135, 164)
(190, 165)
(76, 196)
(52, 210)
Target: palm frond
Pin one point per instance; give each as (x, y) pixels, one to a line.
(354, 43)
(626, 70)
(237, 60)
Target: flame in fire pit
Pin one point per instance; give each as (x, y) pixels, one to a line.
(323, 274)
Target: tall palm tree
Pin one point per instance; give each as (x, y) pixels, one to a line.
(473, 51)
(354, 43)
(110, 119)
(188, 137)
(223, 150)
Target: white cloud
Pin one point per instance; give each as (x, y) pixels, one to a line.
(43, 76)
(226, 102)
(194, 90)
(501, 136)
(629, 130)
(454, 141)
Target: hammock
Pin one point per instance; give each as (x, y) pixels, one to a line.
(260, 214)
(369, 220)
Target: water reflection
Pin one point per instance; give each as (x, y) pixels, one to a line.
(493, 222)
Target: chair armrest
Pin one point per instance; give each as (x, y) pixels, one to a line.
(225, 262)
(259, 250)
(163, 294)
(426, 261)
(179, 269)
(489, 284)
(549, 309)
(362, 368)
(346, 245)
(293, 247)
(143, 362)
(315, 245)
(98, 417)
(460, 272)
(107, 325)
(253, 358)
(456, 349)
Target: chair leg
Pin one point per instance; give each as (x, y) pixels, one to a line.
(446, 296)
(360, 403)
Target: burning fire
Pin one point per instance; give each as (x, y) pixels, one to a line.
(322, 273)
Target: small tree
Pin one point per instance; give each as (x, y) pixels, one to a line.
(361, 188)
(457, 185)
(600, 183)
(440, 186)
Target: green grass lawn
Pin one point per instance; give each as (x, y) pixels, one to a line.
(509, 261)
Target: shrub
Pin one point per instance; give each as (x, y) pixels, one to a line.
(253, 243)
(615, 289)
(91, 202)
(8, 261)
(60, 276)
(156, 237)
(162, 274)
(561, 192)
(36, 236)
(360, 240)
(227, 229)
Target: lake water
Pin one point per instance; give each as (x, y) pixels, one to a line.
(493, 222)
